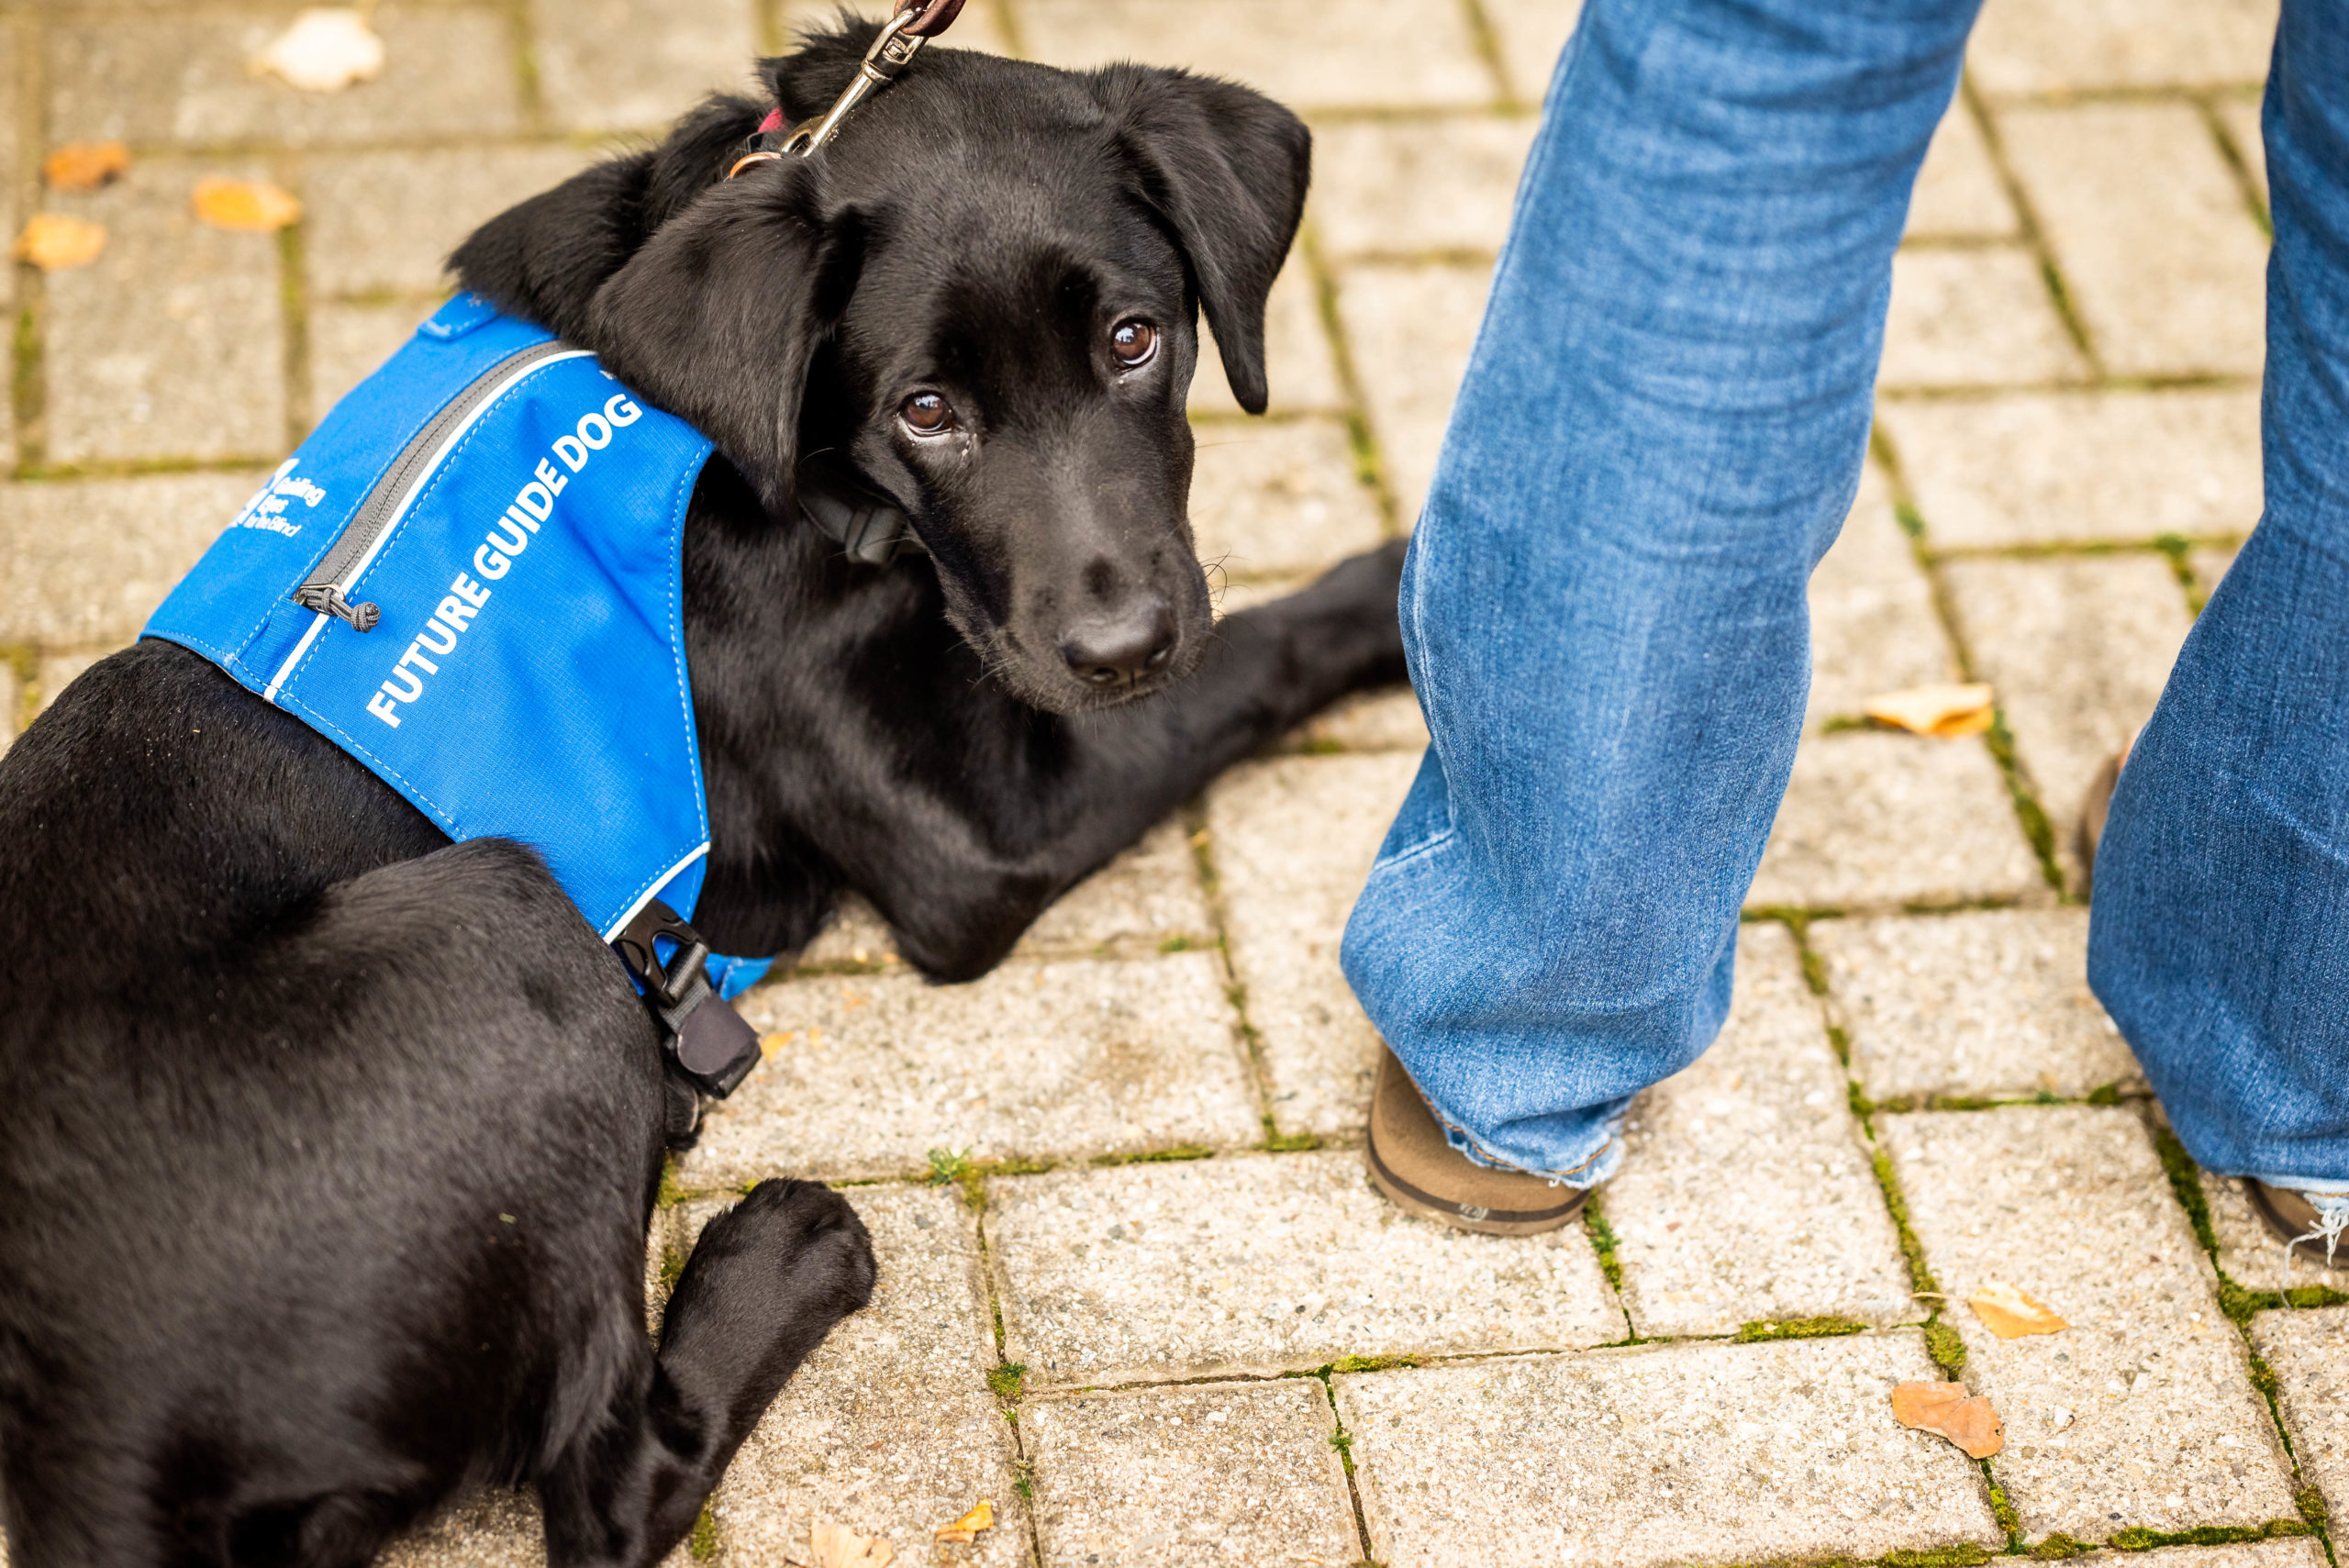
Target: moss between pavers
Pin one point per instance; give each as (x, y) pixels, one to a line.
(1948, 1351)
(2143, 1540)
(1004, 1381)
(703, 1544)
(1602, 1242)
(1181, 1152)
(1821, 1327)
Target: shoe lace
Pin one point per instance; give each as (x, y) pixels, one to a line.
(2332, 1219)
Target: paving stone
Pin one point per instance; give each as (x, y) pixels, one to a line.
(2169, 274)
(2210, 568)
(184, 79)
(2309, 1352)
(2241, 118)
(2141, 1413)
(888, 1427)
(1265, 1262)
(1391, 54)
(2079, 651)
(1146, 900)
(2058, 467)
(1759, 1124)
(624, 64)
(1416, 187)
(1411, 329)
(1368, 721)
(89, 561)
(495, 1528)
(349, 342)
(1529, 38)
(979, 27)
(1872, 625)
(385, 222)
(1958, 192)
(1874, 820)
(1293, 841)
(11, 54)
(2250, 1254)
(1974, 317)
(1231, 1472)
(1280, 499)
(170, 344)
(2048, 46)
(866, 1074)
(1300, 370)
(1659, 1454)
(1989, 1002)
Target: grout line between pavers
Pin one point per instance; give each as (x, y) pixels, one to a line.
(2238, 163)
(1007, 1379)
(1343, 1441)
(522, 42)
(2031, 817)
(1250, 1042)
(1370, 464)
(1013, 27)
(2072, 386)
(293, 303)
(29, 368)
(2033, 234)
(1486, 39)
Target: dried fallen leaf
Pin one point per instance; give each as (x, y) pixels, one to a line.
(84, 165)
(967, 1528)
(326, 50)
(837, 1546)
(2007, 1312)
(1948, 1410)
(51, 241)
(253, 206)
(1936, 709)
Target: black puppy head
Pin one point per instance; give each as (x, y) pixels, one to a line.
(979, 302)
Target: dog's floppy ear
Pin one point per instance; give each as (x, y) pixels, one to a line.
(1226, 168)
(717, 316)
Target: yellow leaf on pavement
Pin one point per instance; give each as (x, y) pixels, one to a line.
(1944, 709)
(251, 206)
(52, 241)
(967, 1528)
(326, 50)
(84, 165)
(1949, 1410)
(837, 1546)
(2007, 1312)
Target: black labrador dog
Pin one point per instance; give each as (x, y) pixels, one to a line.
(328, 1147)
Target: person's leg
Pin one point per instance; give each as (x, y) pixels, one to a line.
(2220, 935)
(1659, 435)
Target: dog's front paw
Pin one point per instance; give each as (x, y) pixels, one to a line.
(811, 1239)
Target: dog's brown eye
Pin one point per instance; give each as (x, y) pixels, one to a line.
(1134, 342)
(926, 414)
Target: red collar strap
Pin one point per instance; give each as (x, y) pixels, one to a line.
(912, 24)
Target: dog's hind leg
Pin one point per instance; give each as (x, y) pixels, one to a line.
(765, 1286)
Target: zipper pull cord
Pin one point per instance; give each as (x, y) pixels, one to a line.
(328, 600)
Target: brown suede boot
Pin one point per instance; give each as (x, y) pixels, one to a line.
(2297, 1222)
(2100, 805)
(1423, 1174)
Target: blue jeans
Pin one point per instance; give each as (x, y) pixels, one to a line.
(1660, 434)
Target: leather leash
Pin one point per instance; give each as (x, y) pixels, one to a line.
(914, 23)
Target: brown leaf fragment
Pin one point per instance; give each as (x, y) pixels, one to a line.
(967, 1528)
(1947, 1411)
(53, 242)
(2010, 1314)
(837, 1546)
(250, 207)
(1942, 709)
(85, 165)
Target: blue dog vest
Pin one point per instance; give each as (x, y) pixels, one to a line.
(468, 578)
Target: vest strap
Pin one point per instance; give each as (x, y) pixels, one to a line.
(703, 1038)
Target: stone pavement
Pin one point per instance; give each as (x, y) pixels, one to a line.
(1134, 1290)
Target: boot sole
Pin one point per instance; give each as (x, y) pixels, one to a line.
(1483, 1221)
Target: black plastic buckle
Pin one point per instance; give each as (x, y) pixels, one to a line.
(702, 1037)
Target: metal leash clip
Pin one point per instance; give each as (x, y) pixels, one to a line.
(890, 53)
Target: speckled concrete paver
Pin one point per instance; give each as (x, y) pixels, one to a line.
(1981, 1004)
(1890, 820)
(1293, 841)
(2079, 467)
(865, 1073)
(1660, 1454)
(2139, 1415)
(2307, 1351)
(2099, 169)
(1265, 1263)
(1761, 1115)
(1216, 1473)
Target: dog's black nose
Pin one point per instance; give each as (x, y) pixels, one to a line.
(1114, 650)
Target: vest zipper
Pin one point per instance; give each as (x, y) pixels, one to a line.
(326, 588)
